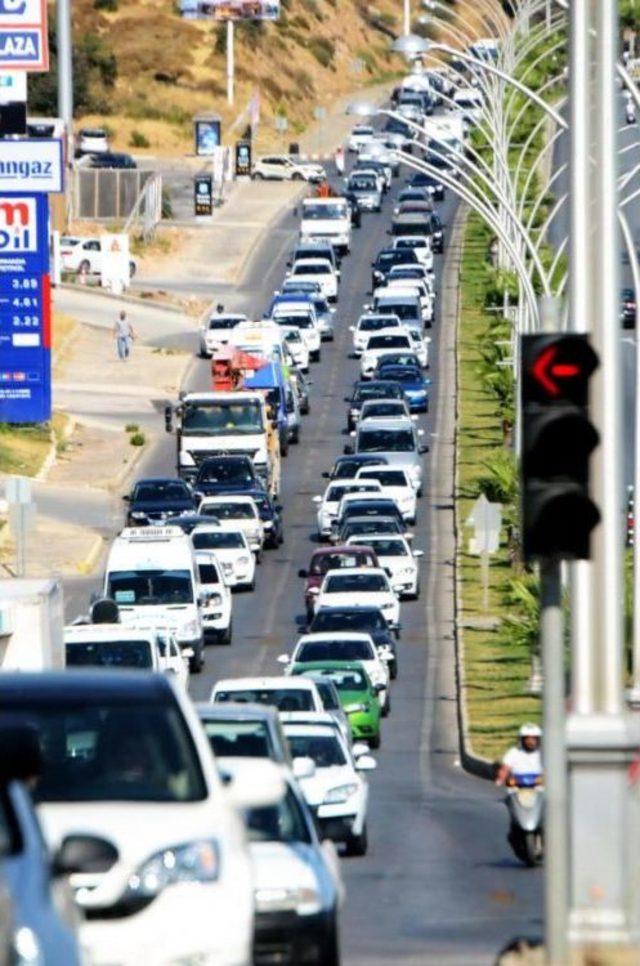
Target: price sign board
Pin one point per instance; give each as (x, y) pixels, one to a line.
(203, 195)
(25, 309)
(23, 35)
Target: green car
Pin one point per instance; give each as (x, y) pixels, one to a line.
(358, 696)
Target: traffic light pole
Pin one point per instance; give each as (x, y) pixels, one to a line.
(604, 886)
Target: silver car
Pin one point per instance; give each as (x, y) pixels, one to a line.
(397, 440)
(366, 190)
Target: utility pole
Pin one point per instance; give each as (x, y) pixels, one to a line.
(230, 61)
(604, 877)
(406, 20)
(64, 44)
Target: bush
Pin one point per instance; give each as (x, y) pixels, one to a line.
(323, 50)
(138, 140)
(94, 70)
(110, 5)
(137, 439)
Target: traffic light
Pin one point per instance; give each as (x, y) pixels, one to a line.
(558, 514)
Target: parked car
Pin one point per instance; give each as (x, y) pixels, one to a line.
(112, 159)
(92, 140)
(84, 255)
(628, 308)
(281, 167)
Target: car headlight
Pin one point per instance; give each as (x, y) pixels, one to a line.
(193, 862)
(138, 515)
(304, 900)
(407, 572)
(215, 600)
(190, 628)
(341, 793)
(227, 567)
(388, 606)
(243, 560)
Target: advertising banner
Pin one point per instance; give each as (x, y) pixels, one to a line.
(207, 136)
(243, 159)
(114, 262)
(32, 165)
(231, 9)
(203, 195)
(23, 35)
(25, 309)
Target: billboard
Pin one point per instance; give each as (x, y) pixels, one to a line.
(231, 9)
(25, 309)
(23, 35)
(31, 165)
(207, 136)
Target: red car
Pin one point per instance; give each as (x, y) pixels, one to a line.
(332, 558)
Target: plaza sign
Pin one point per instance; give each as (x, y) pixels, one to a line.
(23, 35)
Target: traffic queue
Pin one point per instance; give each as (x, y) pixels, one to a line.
(213, 832)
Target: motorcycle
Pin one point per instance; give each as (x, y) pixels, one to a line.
(525, 804)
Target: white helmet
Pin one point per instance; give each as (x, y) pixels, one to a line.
(529, 730)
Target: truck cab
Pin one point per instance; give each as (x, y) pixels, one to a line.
(327, 219)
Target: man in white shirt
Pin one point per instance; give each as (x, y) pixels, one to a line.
(525, 758)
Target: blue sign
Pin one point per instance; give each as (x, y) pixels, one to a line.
(23, 35)
(25, 309)
(21, 48)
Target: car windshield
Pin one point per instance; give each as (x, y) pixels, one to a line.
(299, 320)
(335, 493)
(225, 472)
(324, 749)
(386, 441)
(334, 650)
(283, 822)
(233, 511)
(391, 548)
(411, 243)
(148, 587)
(384, 408)
(224, 321)
(373, 325)
(363, 619)
(284, 699)
(208, 574)
(402, 271)
(238, 739)
(161, 492)
(218, 540)
(312, 268)
(403, 373)
(375, 525)
(101, 749)
(385, 477)
(327, 695)
(118, 654)
(373, 391)
(324, 212)
(356, 583)
(223, 419)
(404, 310)
(351, 680)
(388, 342)
(363, 183)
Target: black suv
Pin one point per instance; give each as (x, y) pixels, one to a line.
(386, 260)
(156, 499)
(226, 474)
(371, 389)
(371, 620)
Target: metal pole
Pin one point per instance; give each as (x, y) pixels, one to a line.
(555, 770)
(406, 20)
(65, 65)
(21, 538)
(230, 61)
(602, 736)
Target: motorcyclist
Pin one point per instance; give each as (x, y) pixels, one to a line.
(525, 758)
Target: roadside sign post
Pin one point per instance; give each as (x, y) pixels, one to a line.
(282, 125)
(486, 520)
(21, 513)
(203, 195)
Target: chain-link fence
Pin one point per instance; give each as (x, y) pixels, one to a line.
(107, 193)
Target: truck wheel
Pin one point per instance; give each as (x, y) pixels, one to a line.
(226, 637)
(357, 844)
(196, 663)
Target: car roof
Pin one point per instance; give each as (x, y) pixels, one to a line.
(399, 423)
(23, 687)
(350, 571)
(242, 684)
(228, 498)
(309, 717)
(160, 479)
(233, 712)
(348, 608)
(330, 635)
(326, 551)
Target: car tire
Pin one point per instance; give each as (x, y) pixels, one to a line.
(84, 267)
(257, 176)
(386, 711)
(132, 269)
(416, 594)
(227, 635)
(375, 742)
(357, 845)
(196, 663)
(296, 176)
(330, 949)
(284, 450)
(393, 670)
(258, 557)
(295, 438)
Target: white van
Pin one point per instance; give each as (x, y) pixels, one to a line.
(125, 648)
(152, 575)
(327, 219)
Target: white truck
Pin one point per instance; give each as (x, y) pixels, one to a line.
(219, 423)
(449, 128)
(327, 219)
(152, 575)
(31, 625)
(125, 648)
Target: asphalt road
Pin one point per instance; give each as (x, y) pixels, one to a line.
(439, 884)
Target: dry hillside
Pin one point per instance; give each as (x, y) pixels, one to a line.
(167, 69)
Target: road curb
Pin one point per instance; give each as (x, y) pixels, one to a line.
(245, 261)
(474, 764)
(130, 299)
(86, 566)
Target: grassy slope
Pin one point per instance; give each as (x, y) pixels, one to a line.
(496, 672)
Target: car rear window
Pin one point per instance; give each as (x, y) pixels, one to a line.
(284, 699)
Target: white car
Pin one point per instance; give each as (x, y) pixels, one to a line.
(172, 659)
(360, 138)
(281, 167)
(328, 503)
(93, 140)
(217, 608)
(232, 550)
(84, 255)
(366, 325)
(283, 693)
(415, 286)
(421, 245)
(396, 484)
(343, 588)
(215, 331)
(306, 321)
(297, 346)
(317, 270)
(131, 770)
(384, 409)
(236, 512)
(398, 558)
(380, 343)
(420, 346)
(336, 789)
(343, 646)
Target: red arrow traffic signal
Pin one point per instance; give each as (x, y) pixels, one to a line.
(557, 367)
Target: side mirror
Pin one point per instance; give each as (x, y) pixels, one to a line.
(187, 653)
(348, 450)
(325, 475)
(283, 659)
(316, 499)
(126, 498)
(423, 449)
(352, 328)
(303, 573)
(366, 763)
(83, 854)
(359, 748)
(414, 417)
(378, 688)
(168, 419)
(252, 783)
(418, 553)
(304, 767)
(278, 508)
(421, 432)
(20, 754)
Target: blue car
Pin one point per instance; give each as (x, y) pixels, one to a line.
(413, 383)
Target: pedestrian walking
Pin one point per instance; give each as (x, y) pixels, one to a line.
(124, 336)
(339, 160)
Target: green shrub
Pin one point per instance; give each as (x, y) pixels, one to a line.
(323, 50)
(138, 140)
(137, 439)
(109, 5)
